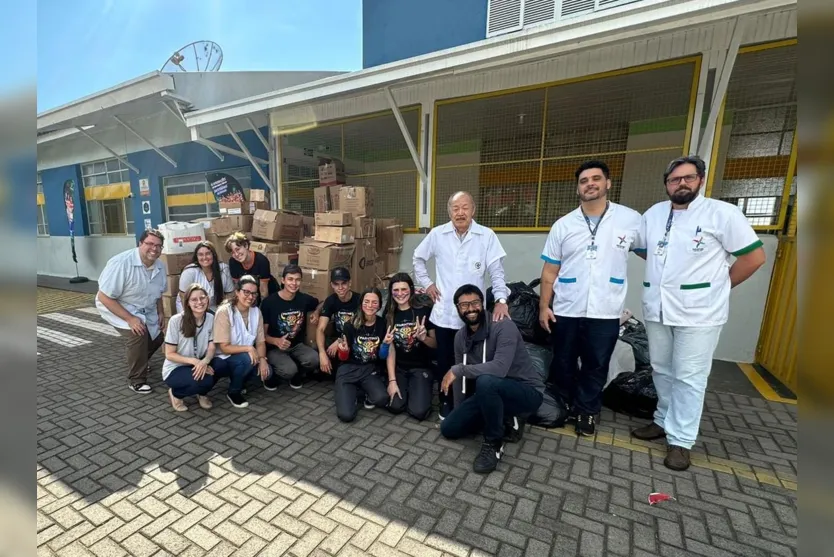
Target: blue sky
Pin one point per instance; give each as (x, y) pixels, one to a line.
(84, 46)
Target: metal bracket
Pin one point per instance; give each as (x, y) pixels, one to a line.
(108, 149)
(258, 133)
(249, 156)
(181, 117)
(415, 156)
(159, 151)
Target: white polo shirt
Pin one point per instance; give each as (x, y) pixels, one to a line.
(585, 287)
(137, 288)
(689, 284)
(459, 262)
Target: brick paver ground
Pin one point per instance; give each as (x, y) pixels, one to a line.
(50, 299)
(122, 474)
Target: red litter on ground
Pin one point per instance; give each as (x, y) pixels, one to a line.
(655, 498)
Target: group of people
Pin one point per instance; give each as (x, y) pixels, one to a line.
(236, 321)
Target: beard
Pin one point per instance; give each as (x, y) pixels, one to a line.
(684, 195)
(592, 195)
(473, 317)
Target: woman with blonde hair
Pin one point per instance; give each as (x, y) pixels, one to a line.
(191, 367)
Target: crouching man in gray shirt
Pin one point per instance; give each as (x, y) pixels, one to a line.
(492, 361)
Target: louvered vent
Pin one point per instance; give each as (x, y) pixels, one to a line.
(539, 11)
(608, 4)
(571, 8)
(503, 16)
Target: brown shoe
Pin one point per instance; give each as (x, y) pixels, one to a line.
(177, 403)
(204, 401)
(649, 432)
(677, 458)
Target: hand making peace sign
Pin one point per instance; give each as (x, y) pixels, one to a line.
(421, 332)
(389, 336)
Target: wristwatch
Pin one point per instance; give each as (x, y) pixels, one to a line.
(502, 301)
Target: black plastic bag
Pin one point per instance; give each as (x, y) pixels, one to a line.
(552, 413)
(633, 394)
(523, 305)
(541, 357)
(633, 332)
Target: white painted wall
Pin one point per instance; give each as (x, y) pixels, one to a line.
(55, 254)
(747, 302)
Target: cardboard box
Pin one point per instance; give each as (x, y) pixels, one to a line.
(277, 262)
(364, 227)
(241, 223)
(390, 260)
(169, 306)
(175, 262)
(258, 195)
(326, 198)
(241, 207)
(331, 172)
(389, 234)
(172, 285)
(219, 243)
(315, 283)
(363, 269)
(357, 200)
(333, 218)
(221, 226)
(323, 256)
(382, 282)
(287, 246)
(334, 234)
(308, 225)
(277, 225)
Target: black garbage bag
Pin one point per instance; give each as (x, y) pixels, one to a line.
(632, 393)
(523, 304)
(633, 332)
(541, 356)
(552, 413)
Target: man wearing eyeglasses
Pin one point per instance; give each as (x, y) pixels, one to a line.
(689, 242)
(130, 298)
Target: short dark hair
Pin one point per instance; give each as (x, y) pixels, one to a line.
(151, 232)
(467, 289)
(587, 165)
(697, 162)
(291, 269)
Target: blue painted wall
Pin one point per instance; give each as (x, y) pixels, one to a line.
(398, 29)
(190, 157)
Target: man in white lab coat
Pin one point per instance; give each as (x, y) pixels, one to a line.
(585, 275)
(686, 296)
(464, 251)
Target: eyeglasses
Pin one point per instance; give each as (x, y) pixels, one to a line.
(249, 293)
(689, 179)
(152, 245)
(463, 306)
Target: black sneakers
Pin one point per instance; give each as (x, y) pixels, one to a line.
(368, 404)
(487, 459)
(141, 388)
(297, 381)
(513, 430)
(585, 425)
(444, 410)
(271, 383)
(237, 400)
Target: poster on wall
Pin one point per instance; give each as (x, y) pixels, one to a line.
(148, 225)
(226, 188)
(144, 187)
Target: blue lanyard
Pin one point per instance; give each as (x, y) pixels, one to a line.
(593, 230)
(668, 226)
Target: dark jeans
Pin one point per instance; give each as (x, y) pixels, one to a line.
(415, 387)
(592, 341)
(445, 356)
(287, 365)
(182, 382)
(352, 377)
(495, 398)
(239, 369)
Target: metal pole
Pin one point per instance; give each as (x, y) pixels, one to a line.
(159, 151)
(406, 135)
(108, 149)
(249, 156)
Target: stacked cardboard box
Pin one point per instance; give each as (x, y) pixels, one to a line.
(174, 264)
(279, 254)
(273, 226)
(331, 178)
(389, 245)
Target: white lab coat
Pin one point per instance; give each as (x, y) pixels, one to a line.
(689, 285)
(458, 263)
(593, 288)
(126, 279)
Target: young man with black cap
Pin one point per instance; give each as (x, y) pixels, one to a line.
(491, 355)
(340, 308)
(285, 315)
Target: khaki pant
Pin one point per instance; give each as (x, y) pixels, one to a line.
(139, 348)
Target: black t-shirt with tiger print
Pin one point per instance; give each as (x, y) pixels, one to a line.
(411, 353)
(364, 343)
(288, 317)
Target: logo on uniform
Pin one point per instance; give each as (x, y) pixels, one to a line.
(477, 265)
(699, 244)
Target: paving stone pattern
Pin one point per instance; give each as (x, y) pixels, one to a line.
(122, 474)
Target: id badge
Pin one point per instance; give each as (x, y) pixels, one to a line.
(660, 250)
(591, 252)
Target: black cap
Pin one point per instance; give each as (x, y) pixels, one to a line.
(339, 273)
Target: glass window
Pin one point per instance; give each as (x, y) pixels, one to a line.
(111, 217)
(43, 225)
(181, 208)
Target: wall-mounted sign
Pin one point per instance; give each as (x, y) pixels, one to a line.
(148, 225)
(225, 188)
(144, 188)
(146, 207)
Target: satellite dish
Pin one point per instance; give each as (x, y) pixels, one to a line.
(199, 56)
